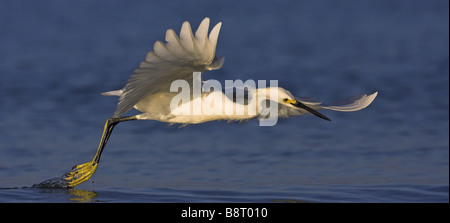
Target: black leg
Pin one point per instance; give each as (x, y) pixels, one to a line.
(109, 126)
(83, 172)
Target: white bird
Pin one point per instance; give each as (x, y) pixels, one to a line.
(148, 91)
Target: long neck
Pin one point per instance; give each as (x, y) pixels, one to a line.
(250, 106)
(218, 106)
(230, 108)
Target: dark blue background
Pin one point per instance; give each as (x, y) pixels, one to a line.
(56, 57)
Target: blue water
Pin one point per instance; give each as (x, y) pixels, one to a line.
(56, 57)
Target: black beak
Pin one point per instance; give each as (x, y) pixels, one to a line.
(312, 111)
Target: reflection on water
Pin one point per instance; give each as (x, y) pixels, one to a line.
(54, 195)
(73, 194)
(82, 195)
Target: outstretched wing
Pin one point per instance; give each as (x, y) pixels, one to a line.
(174, 60)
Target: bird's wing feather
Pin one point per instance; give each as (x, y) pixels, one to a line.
(174, 60)
(352, 104)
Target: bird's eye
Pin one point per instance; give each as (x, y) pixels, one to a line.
(285, 99)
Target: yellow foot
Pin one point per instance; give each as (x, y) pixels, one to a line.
(80, 173)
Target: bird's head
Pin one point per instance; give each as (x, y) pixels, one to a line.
(285, 98)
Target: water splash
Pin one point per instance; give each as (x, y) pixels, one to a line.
(57, 182)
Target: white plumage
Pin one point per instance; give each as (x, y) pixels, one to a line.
(148, 90)
(177, 59)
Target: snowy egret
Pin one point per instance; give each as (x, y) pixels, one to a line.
(148, 91)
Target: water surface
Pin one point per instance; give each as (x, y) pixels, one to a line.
(57, 57)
